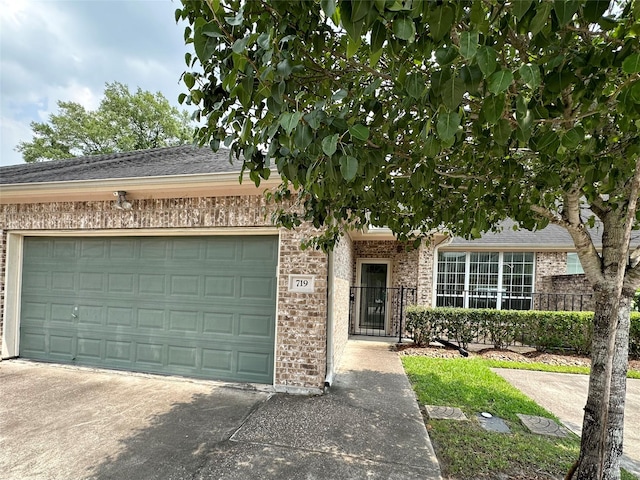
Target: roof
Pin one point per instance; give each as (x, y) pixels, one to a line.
(551, 237)
(157, 162)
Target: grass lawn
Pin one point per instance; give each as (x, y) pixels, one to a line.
(464, 449)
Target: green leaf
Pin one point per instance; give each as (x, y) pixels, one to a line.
(235, 20)
(415, 85)
(289, 121)
(471, 76)
(520, 7)
(284, 68)
(502, 132)
(572, 138)
(469, 44)
(353, 46)
(594, 9)
(440, 20)
(565, 10)
(239, 45)
(302, 136)
(431, 147)
(548, 143)
(499, 81)
(404, 28)
(452, 92)
(631, 64)
(530, 74)
(541, 18)
(447, 126)
(359, 132)
(486, 58)
(492, 108)
(189, 80)
(328, 7)
(330, 144)
(378, 36)
(348, 167)
(446, 54)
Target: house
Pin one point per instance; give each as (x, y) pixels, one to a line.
(161, 261)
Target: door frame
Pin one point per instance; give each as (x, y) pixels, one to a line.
(375, 261)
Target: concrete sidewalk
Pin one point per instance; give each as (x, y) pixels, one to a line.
(565, 395)
(61, 422)
(367, 426)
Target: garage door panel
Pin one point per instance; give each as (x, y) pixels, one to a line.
(185, 285)
(34, 311)
(218, 323)
(90, 349)
(253, 363)
(93, 249)
(202, 306)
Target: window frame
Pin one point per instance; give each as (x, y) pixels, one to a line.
(493, 298)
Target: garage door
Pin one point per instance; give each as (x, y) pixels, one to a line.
(194, 306)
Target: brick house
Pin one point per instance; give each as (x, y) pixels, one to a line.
(160, 261)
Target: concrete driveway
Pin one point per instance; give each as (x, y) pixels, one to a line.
(71, 423)
(565, 395)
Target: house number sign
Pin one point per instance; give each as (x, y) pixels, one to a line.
(302, 283)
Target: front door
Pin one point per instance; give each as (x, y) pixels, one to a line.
(373, 302)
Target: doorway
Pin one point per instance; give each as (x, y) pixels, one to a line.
(373, 303)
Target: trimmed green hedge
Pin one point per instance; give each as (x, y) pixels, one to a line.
(540, 329)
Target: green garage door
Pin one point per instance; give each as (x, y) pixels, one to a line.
(194, 306)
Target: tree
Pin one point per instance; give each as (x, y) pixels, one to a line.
(423, 115)
(124, 121)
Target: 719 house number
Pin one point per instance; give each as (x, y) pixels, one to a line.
(302, 283)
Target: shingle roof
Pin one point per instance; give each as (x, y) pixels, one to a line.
(181, 160)
(551, 236)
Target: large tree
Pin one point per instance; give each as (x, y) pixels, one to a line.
(124, 121)
(423, 115)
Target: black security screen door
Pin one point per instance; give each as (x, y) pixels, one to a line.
(373, 301)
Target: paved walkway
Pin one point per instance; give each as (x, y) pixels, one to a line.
(565, 396)
(61, 422)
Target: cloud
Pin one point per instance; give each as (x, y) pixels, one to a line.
(68, 50)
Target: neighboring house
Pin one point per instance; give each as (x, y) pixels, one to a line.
(184, 273)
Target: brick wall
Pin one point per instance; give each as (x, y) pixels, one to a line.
(425, 273)
(404, 270)
(3, 263)
(343, 269)
(301, 336)
(564, 292)
(301, 321)
(549, 263)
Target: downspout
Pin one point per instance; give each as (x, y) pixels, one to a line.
(434, 270)
(328, 380)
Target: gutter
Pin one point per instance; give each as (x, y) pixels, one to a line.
(329, 374)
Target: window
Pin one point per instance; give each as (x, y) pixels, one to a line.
(502, 280)
(574, 267)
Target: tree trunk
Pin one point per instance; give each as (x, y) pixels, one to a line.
(604, 411)
(615, 428)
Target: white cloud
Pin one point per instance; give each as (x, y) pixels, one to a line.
(67, 50)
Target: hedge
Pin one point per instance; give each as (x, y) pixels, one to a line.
(546, 331)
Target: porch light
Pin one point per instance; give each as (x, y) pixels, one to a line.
(121, 203)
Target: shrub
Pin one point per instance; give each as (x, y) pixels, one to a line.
(546, 331)
(634, 336)
(419, 324)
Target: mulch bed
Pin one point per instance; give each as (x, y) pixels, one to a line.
(506, 354)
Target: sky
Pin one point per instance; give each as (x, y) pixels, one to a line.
(52, 50)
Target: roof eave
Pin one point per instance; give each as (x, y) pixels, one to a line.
(166, 186)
